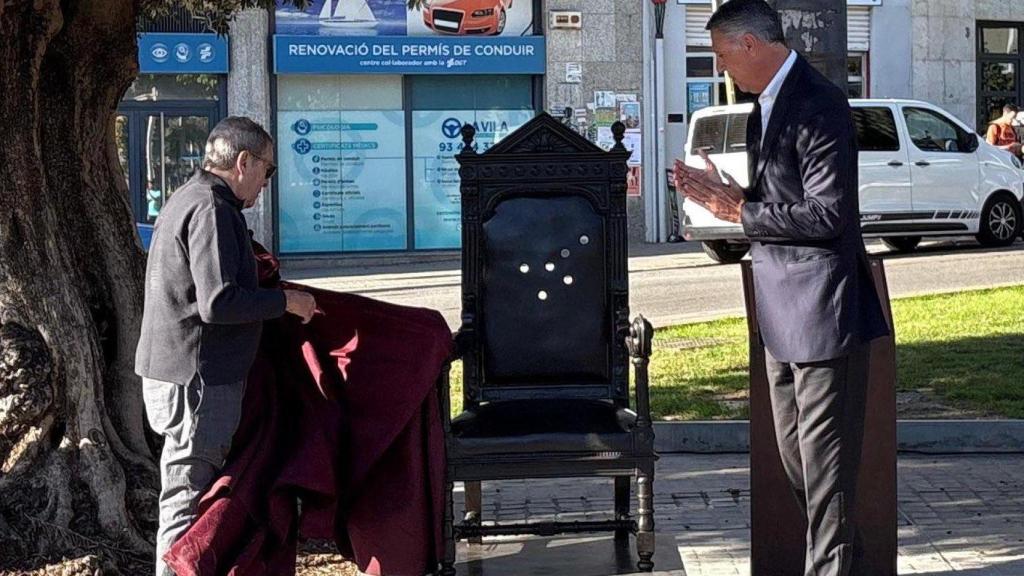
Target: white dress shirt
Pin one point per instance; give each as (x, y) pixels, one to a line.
(771, 92)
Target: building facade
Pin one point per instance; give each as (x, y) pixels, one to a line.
(365, 99)
(963, 55)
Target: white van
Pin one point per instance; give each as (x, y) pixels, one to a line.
(922, 173)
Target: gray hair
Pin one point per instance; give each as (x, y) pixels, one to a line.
(755, 17)
(232, 136)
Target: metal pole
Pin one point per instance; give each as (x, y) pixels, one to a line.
(652, 205)
(659, 172)
(730, 86)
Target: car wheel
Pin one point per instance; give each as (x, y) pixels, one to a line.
(901, 243)
(501, 22)
(1000, 221)
(725, 252)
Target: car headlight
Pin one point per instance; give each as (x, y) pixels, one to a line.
(487, 12)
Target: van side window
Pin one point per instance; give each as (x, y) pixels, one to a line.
(736, 133)
(709, 134)
(720, 134)
(931, 132)
(876, 130)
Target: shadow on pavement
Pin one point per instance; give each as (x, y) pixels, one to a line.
(584, 555)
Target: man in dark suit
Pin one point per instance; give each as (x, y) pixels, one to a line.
(816, 303)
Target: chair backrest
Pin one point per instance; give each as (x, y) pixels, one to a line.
(545, 300)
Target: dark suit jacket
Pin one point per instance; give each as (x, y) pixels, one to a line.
(815, 297)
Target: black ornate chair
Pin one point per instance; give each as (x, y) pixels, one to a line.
(546, 339)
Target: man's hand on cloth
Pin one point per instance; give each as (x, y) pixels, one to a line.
(705, 187)
(300, 303)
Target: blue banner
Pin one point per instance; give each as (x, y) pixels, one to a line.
(408, 55)
(161, 53)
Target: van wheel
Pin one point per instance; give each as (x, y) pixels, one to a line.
(725, 252)
(501, 23)
(901, 243)
(1000, 221)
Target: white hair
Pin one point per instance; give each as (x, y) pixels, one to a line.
(232, 136)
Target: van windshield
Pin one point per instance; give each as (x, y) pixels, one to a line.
(720, 134)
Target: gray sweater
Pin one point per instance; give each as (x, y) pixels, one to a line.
(204, 309)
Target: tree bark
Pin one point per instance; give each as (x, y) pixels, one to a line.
(77, 472)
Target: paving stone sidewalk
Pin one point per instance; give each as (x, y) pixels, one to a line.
(960, 515)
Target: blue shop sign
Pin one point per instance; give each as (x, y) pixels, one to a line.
(162, 53)
(408, 55)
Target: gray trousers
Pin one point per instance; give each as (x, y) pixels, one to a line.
(818, 408)
(197, 422)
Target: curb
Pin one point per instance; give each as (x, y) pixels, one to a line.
(925, 436)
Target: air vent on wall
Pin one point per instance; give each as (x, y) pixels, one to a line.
(566, 19)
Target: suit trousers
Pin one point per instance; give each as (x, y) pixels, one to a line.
(197, 422)
(818, 409)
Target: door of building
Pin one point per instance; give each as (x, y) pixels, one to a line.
(161, 141)
(1000, 63)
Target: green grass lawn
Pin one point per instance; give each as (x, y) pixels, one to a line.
(965, 350)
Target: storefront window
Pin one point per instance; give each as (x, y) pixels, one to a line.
(440, 107)
(159, 87)
(999, 76)
(341, 152)
(999, 40)
(999, 65)
(855, 79)
(174, 148)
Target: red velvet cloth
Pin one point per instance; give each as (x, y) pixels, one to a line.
(341, 420)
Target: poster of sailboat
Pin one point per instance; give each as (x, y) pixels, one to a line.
(347, 14)
(343, 18)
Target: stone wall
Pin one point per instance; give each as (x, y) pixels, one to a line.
(249, 95)
(608, 48)
(944, 64)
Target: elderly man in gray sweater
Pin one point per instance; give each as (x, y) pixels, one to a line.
(202, 318)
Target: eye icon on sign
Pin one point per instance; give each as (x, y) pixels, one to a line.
(159, 52)
(451, 127)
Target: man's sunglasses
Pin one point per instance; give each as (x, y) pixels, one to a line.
(271, 167)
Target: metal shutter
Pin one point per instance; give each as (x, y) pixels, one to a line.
(697, 17)
(858, 28)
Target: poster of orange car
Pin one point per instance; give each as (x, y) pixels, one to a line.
(468, 17)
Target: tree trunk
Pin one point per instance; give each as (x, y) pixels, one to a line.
(77, 473)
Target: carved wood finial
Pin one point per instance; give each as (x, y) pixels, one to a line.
(468, 133)
(618, 133)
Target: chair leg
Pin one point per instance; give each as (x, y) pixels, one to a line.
(645, 523)
(448, 563)
(622, 504)
(474, 508)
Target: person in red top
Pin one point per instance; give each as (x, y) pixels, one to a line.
(1001, 133)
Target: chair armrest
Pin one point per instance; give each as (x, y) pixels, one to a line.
(461, 343)
(641, 333)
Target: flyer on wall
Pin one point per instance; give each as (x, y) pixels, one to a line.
(395, 18)
(342, 181)
(436, 141)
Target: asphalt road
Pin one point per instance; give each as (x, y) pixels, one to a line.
(677, 283)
